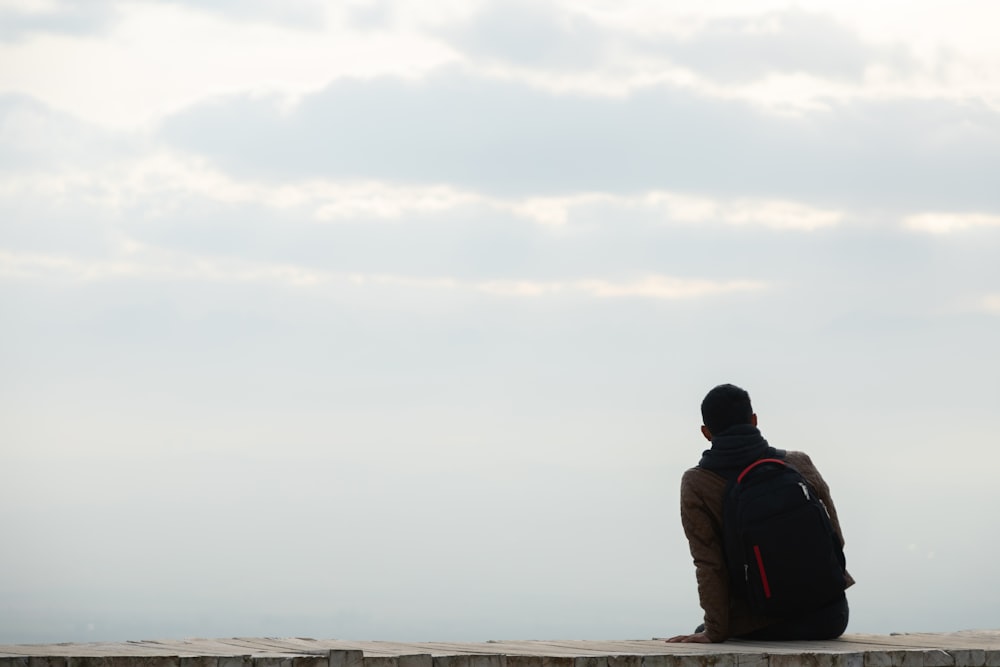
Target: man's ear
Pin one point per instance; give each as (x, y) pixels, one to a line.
(708, 434)
(753, 419)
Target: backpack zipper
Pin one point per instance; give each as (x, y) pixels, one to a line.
(805, 490)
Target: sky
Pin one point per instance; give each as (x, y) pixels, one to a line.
(377, 319)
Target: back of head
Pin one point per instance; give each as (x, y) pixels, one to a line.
(725, 406)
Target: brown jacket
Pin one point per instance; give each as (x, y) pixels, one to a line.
(701, 515)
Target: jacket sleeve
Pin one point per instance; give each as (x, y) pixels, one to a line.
(705, 541)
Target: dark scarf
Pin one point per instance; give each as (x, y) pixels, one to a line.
(736, 448)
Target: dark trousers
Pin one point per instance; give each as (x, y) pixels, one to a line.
(825, 623)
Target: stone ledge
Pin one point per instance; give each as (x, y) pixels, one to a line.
(958, 649)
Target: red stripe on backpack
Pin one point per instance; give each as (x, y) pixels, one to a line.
(763, 574)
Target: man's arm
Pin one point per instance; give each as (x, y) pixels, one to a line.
(703, 532)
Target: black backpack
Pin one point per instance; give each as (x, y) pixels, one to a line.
(782, 552)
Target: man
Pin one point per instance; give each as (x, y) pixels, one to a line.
(730, 424)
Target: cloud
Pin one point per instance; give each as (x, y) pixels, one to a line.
(530, 35)
(785, 61)
(302, 14)
(741, 48)
(95, 17)
(680, 208)
(34, 135)
(66, 18)
(50, 157)
(950, 223)
(142, 263)
(773, 214)
(152, 180)
(135, 74)
(651, 287)
(991, 303)
(139, 263)
(724, 49)
(157, 176)
(665, 287)
(507, 138)
(371, 14)
(147, 212)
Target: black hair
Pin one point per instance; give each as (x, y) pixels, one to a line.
(726, 405)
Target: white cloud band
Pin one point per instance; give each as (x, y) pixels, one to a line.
(949, 223)
(154, 265)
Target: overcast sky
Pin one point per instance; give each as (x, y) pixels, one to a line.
(386, 319)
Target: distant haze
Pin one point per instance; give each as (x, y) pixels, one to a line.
(391, 320)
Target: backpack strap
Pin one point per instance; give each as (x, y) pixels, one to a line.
(756, 463)
(779, 457)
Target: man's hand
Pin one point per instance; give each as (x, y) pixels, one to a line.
(696, 638)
